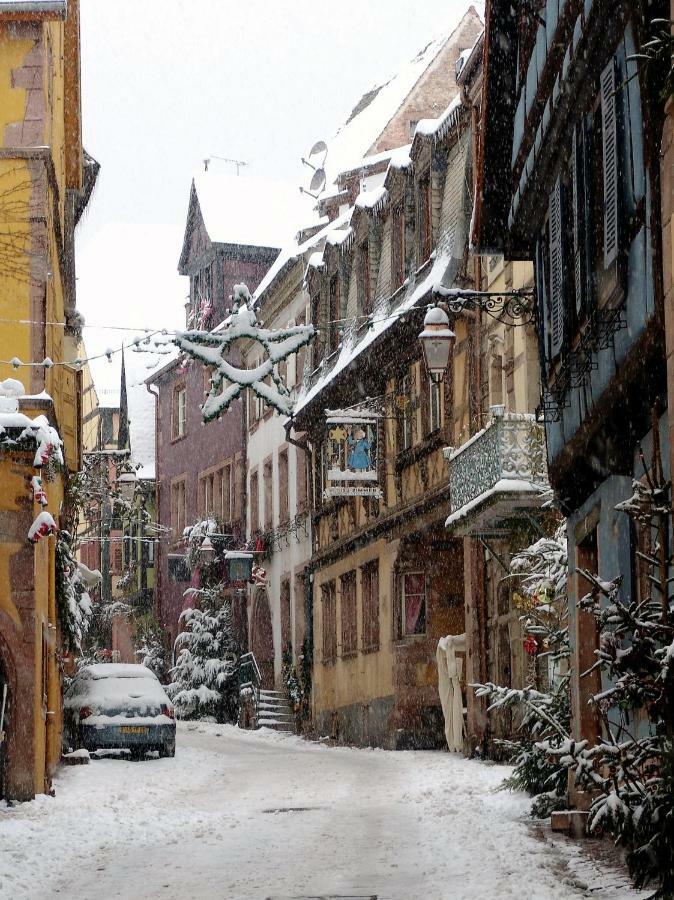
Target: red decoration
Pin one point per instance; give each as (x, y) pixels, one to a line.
(531, 645)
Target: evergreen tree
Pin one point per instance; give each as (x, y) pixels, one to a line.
(152, 652)
(203, 678)
(545, 714)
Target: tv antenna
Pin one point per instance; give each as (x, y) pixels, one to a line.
(235, 162)
(318, 178)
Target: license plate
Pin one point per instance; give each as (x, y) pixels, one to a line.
(133, 729)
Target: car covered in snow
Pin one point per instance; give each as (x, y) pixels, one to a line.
(118, 706)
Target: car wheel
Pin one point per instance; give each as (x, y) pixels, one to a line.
(137, 753)
(167, 750)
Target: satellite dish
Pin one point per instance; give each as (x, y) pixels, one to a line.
(317, 181)
(319, 147)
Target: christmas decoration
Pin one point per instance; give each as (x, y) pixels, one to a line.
(39, 493)
(43, 526)
(531, 645)
(228, 381)
(259, 575)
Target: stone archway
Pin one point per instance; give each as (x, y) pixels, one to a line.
(262, 639)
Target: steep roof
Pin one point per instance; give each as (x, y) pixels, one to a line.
(246, 211)
(141, 410)
(378, 106)
(53, 7)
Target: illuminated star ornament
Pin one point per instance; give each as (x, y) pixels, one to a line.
(228, 381)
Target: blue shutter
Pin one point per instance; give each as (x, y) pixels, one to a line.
(556, 271)
(610, 154)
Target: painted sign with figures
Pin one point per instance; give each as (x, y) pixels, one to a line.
(352, 454)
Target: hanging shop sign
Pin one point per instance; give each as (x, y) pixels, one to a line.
(352, 454)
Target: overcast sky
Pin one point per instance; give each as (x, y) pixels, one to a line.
(169, 82)
(166, 83)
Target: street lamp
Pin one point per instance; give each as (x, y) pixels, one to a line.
(437, 340)
(207, 551)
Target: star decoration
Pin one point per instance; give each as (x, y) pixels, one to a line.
(228, 380)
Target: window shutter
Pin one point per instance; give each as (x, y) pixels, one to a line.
(578, 217)
(556, 270)
(610, 152)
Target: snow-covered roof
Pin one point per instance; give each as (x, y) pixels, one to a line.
(141, 410)
(438, 275)
(250, 211)
(376, 109)
(293, 251)
(437, 128)
(34, 6)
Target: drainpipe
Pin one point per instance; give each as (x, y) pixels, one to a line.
(158, 572)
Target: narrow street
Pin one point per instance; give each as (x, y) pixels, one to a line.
(254, 815)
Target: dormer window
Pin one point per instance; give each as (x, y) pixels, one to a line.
(201, 296)
(334, 313)
(364, 300)
(424, 230)
(398, 244)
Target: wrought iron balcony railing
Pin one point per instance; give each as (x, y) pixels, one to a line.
(504, 463)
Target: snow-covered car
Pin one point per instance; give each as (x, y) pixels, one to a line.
(119, 706)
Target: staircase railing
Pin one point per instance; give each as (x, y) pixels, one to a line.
(250, 682)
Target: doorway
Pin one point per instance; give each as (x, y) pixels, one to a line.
(262, 640)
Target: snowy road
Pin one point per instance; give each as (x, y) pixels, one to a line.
(255, 815)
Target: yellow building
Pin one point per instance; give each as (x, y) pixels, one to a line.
(45, 183)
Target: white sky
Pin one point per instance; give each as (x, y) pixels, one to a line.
(169, 82)
(166, 83)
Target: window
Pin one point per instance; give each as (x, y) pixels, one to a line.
(302, 352)
(334, 313)
(301, 478)
(319, 341)
(424, 217)
(434, 406)
(178, 509)
(283, 507)
(370, 594)
(413, 127)
(179, 412)
(328, 599)
(579, 264)
(254, 503)
(414, 603)
(364, 278)
(349, 614)
(398, 245)
(268, 496)
(177, 568)
(405, 410)
(226, 488)
(238, 490)
(206, 498)
(300, 611)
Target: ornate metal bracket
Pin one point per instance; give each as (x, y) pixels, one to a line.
(514, 308)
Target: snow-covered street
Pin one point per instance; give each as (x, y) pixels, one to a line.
(256, 814)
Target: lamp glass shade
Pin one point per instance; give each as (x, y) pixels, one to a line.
(437, 340)
(207, 550)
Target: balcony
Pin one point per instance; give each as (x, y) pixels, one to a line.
(500, 470)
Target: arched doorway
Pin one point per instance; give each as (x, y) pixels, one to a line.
(262, 639)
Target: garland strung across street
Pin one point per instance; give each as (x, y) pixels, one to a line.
(229, 380)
